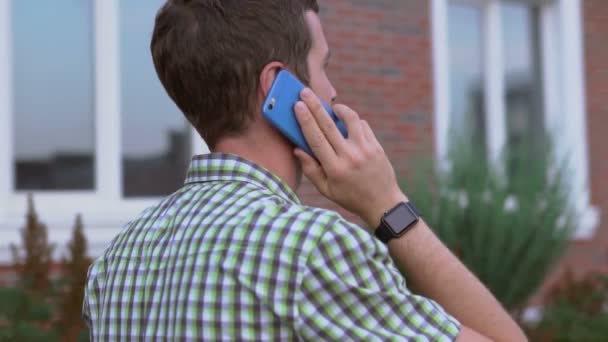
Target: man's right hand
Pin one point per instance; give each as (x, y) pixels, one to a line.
(354, 172)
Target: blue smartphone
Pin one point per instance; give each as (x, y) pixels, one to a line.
(279, 110)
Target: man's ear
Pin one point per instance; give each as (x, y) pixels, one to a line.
(267, 76)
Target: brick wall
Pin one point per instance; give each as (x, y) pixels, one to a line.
(381, 67)
(596, 60)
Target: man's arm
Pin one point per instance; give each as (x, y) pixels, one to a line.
(351, 288)
(436, 273)
(356, 174)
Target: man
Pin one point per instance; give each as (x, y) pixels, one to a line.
(233, 254)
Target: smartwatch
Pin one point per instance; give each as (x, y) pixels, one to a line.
(397, 221)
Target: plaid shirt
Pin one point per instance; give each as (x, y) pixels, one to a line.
(233, 255)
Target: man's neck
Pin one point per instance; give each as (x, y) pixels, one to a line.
(271, 152)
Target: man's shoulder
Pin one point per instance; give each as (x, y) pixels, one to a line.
(243, 208)
(298, 221)
(322, 226)
(304, 225)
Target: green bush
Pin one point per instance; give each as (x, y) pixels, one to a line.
(566, 323)
(575, 310)
(507, 224)
(40, 308)
(25, 317)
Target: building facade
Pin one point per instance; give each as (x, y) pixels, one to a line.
(86, 127)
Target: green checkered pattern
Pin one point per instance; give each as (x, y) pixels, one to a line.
(233, 255)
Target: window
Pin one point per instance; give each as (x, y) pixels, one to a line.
(522, 70)
(155, 135)
(501, 70)
(53, 95)
(86, 125)
(521, 73)
(466, 72)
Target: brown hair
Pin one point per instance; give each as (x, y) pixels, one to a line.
(209, 54)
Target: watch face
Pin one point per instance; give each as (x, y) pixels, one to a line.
(400, 218)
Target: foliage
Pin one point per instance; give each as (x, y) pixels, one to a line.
(75, 273)
(507, 227)
(26, 313)
(575, 310)
(39, 308)
(34, 267)
(23, 317)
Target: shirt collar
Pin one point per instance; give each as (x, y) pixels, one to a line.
(229, 167)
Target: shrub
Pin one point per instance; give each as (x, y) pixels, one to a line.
(508, 225)
(34, 265)
(575, 310)
(41, 309)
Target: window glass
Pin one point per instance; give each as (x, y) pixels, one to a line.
(155, 134)
(523, 82)
(53, 94)
(467, 115)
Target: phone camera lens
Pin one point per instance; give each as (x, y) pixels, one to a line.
(272, 103)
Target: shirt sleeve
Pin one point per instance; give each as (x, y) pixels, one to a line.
(90, 302)
(86, 313)
(352, 290)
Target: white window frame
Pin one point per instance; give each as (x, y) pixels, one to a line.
(105, 210)
(562, 36)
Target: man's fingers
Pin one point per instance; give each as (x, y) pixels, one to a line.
(351, 120)
(312, 170)
(313, 135)
(367, 132)
(325, 122)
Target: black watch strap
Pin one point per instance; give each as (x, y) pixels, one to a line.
(383, 233)
(403, 221)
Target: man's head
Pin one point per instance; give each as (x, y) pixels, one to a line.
(210, 54)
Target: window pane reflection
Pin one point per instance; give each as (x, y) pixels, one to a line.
(467, 115)
(53, 94)
(155, 135)
(523, 89)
